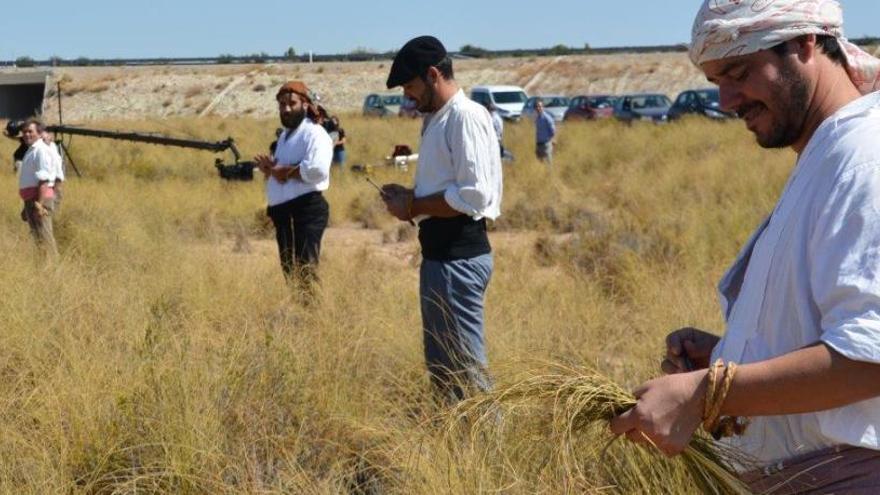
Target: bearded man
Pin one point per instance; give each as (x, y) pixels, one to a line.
(296, 174)
(802, 300)
(457, 188)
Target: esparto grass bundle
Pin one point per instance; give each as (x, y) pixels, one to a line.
(568, 409)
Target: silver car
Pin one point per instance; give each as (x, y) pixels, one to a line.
(555, 105)
(383, 105)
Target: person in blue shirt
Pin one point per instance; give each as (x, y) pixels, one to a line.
(545, 131)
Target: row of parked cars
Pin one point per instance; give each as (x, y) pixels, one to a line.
(512, 103)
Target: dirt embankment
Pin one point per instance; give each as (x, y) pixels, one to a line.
(92, 93)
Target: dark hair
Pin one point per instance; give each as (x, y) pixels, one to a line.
(445, 68)
(33, 121)
(828, 44)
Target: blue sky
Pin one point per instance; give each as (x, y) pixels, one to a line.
(183, 28)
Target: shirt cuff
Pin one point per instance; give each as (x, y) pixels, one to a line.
(44, 176)
(455, 200)
(312, 175)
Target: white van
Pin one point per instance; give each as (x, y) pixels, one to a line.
(509, 100)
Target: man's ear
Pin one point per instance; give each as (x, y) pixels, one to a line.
(805, 46)
(433, 75)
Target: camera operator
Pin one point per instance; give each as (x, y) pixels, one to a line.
(13, 131)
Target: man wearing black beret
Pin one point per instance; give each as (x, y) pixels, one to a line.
(457, 188)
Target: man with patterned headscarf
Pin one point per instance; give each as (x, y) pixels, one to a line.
(802, 300)
(296, 174)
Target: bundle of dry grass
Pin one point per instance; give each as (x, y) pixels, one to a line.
(568, 408)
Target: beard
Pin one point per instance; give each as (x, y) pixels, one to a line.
(426, 100)
(791, 97)
(292, 120)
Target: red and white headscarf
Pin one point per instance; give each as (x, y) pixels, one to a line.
(728, 28)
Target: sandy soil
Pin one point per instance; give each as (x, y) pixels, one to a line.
(94, 93)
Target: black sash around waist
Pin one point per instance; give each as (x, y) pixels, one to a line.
(455, 238)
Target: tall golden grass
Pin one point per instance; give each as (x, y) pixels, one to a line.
(162, 353)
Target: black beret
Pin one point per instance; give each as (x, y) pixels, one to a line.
(414, 59)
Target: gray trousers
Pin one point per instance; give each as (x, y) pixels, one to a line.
(41, 226)
(544, 151)
(452, 294)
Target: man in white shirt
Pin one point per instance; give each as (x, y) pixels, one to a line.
(296, 176)
(457, 188)
(36, 176)
(498, 125)
(58, 165)
(802, 301)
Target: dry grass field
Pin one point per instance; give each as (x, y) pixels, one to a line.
(162, 353)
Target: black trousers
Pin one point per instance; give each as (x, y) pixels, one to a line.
(299, 226)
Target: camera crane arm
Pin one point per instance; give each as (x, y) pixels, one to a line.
(237, 171)
(217, 147)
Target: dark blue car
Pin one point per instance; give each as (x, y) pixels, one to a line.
(705, 102)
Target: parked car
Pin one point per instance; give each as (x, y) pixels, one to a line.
(509, 100)
(382, 105)
(589, 107)
(409, 108)
(706, 102)
(644, 106)
(555, 105)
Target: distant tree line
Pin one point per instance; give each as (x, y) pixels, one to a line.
(361, 54)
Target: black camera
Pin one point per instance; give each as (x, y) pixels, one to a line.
(239, 171)
(13, 127)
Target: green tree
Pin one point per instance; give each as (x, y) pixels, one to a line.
(25, 62)
(560, 50)
(474, 51)
(290, 54)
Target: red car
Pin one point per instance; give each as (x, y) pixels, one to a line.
(590, 107)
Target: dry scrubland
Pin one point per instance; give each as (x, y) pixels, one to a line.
(246, 90)
(163, 354)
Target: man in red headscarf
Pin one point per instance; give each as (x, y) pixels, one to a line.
(296, 175)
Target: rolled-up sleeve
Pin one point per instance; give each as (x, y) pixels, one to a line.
(315, 166)
(845, 261)
(475, 147)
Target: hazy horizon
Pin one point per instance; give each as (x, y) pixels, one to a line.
(166, 28)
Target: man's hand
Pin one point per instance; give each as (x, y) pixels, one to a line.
(398, 199)
(668, 412)
(281, 173)
(265, 164)
(41, 210)
(688, 349)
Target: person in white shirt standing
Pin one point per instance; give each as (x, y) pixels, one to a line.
(802, 300)
(58, 164)
(457, 189)
(498, 125)
(36, 176)
(296, 175)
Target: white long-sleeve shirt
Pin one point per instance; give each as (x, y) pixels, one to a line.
(810, 274)
(310, 147)
(37, 166)
(459, 156)
(57, 162)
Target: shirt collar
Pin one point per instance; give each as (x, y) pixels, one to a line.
(445, 108)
